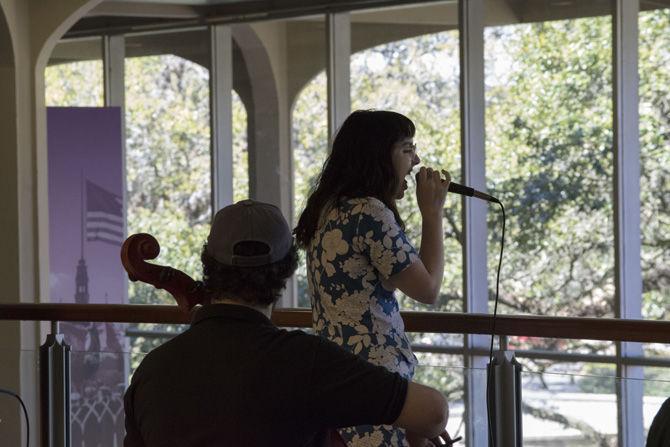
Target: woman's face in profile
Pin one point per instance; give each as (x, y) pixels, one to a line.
(403, 158)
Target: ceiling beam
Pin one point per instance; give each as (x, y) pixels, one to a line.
(144, 9)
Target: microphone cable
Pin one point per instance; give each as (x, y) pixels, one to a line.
(489, 371)
(25, 413)
(470, 192)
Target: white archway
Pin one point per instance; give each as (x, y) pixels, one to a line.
(28, 32)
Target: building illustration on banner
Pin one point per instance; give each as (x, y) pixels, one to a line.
(87, 227)
(97, 359)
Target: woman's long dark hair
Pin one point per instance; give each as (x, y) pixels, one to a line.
(359, 165)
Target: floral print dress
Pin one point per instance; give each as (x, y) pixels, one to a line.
(358, 245)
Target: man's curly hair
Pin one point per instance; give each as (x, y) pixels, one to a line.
(253, 285)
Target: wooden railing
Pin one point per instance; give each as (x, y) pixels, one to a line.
(436, 322)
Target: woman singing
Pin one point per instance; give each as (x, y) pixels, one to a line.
(357, 251)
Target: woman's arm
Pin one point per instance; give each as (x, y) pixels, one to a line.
(422, 280)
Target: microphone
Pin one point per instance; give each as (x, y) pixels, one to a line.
(470, 192)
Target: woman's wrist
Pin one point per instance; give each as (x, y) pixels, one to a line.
(431, 215)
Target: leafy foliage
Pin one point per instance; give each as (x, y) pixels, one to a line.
(65, 84)
(309, 138)
(655, 161)
(549, 159)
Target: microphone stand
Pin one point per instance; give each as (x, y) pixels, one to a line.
(503, 372)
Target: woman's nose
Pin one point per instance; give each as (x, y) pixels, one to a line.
(416, 160)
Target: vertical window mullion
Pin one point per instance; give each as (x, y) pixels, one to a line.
(475, 285)
(221, 115)
(338, 41)
(338, 76)
(113, 73)
(113, 60)
(628, 275)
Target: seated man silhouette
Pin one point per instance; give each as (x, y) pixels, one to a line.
(235, 379)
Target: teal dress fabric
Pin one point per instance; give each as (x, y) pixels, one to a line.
(358, 245)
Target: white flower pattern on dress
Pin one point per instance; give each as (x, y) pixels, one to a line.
(332, 246)
(358, 245)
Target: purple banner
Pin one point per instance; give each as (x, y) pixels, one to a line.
(86, 229)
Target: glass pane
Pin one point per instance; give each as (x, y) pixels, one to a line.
(240, 151)
(427, 341)
(168, 160)
(96, 406)
(73, 77)
(654, 72)
(144, 337)
(561, 345)
(656, 350)
(406, 59)
(309, 139)
(548, 74)
(656, 391)
(446, 374)
(309, 117)
(572, 404)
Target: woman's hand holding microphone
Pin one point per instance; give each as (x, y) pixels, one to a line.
(431, 191)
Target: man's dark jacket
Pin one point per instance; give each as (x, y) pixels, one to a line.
(235, 379)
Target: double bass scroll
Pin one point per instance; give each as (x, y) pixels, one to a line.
(139, 248)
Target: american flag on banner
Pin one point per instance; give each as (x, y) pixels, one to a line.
(104, 215)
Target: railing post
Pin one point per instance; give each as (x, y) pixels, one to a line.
(504, 396)
(55, 389)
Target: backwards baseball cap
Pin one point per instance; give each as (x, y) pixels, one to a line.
(249, 221)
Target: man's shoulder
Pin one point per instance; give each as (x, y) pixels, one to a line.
(306, 348)
(297, 338)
